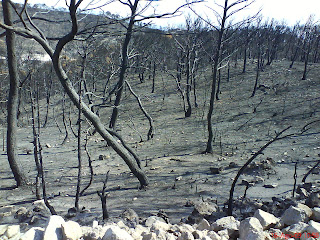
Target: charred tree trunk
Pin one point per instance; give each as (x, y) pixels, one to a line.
(216, 60)
(124, 66)
(188, 85)
(257, 72)
(244, 59)
(306, 60)
(12, 106)
(106, 134)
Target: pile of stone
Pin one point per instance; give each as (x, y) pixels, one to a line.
(299, 221)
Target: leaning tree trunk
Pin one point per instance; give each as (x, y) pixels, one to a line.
(105, 133)
(13, 100)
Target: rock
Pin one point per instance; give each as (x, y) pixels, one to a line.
(157, 225)
(203, 225)
(35, 233)
(305, 208)
(95, 223)
(213, 235)
(39, 205)
(224, 234)
(163, 235)
(314, 227)
(197, 234)
(267, 220)
(251, 228)
(6, 211)
(306, 236)
(149, 236)
(233, 165)
(229, 223)
(202, 210)
(256, 236)
(3, 229)
(216, 170)
(122, 225)
(186, 236)
(313, 200)
(71, 230)
(12, 231)
(136, 232)
(316, 214)
(116, 233)
(295, 229)
(150, 220)
(72, 212)
(206, 238)
(294, 215)
(48, 145)
(53, 230)
(22, 214)
(90, 233)
(130, 215)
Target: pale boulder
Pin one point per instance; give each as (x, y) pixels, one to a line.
(251, 228)
(229, 223)
(35, 233)
(314, 228)
(116, 233)
(213, 235)
(295, 229)
(12, 231)
(53, 230)
(266, 219)
(203, 225)
(71, 230)
(294, 215)
(160, 225)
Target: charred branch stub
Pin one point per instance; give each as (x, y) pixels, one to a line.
(103, 197)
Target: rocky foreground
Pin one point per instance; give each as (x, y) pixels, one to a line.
(298, 221)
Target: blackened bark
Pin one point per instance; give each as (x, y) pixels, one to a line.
(124, 65)
(13, 100)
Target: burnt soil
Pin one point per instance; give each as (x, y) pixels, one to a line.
(173, 161)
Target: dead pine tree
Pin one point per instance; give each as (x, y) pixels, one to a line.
(228, 8)
(76, 204)
(13, 101)
(35, 146)
(38, 151)
(29, 30)
(103, 197)
(254, 156)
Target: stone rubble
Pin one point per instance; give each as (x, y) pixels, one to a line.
(298, 221)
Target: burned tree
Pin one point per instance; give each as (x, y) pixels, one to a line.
(31, 31)
(13, 99)
(228, 9)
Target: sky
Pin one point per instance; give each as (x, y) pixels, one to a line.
(288, 11)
